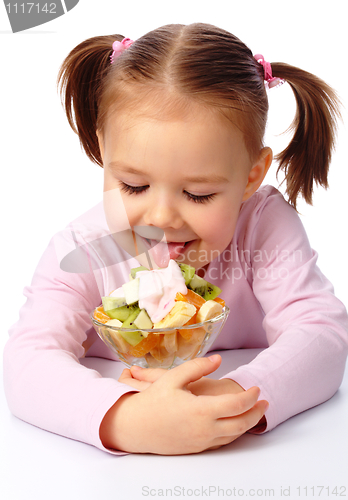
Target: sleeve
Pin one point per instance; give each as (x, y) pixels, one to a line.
(45, 384)
(305, 324)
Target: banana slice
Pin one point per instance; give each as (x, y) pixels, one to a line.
(120, 344)
(170, 341)
(209, 310)
(177, 316)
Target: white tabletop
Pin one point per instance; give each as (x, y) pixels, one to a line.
(305, 457)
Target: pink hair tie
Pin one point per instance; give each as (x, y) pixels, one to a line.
(119, 47)
(271, 81)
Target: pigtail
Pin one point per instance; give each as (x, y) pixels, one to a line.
(307, 158)
(79, 79)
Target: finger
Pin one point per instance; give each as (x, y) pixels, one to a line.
(124, 375)
(191, 371)
(136, 384)
(147, 374)
(230, 405)
(238, 425)
(126, 378)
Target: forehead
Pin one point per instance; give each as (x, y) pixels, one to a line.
(164, 102)
(196, 136)
(162, 111)
(166, 105)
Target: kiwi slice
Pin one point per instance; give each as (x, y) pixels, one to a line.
(212, 292)
(122, 313)
(110, 303)
(198, 285)
(134, 271)
(187, 272)
(207, 290)
(129, 322)
(133, 337)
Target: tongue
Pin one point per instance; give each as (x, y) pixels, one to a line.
(163, 252)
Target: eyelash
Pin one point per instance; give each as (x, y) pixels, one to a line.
(132, 189)
(126, 188)
(199, 199)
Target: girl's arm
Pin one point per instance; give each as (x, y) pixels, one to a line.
(305, 324)
(45, 384)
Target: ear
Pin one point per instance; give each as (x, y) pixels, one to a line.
(101, 144)
(258, 172)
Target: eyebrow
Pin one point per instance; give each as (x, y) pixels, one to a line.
(115, 165)
(213, 179)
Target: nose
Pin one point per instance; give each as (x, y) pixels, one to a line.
(163, 213)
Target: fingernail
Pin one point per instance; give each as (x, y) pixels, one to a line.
(135, 367)
(213, 358)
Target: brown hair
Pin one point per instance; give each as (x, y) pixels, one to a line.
(204, 64)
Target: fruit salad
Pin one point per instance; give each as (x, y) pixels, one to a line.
(160, 315)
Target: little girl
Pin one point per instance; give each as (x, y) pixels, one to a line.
(176, 119)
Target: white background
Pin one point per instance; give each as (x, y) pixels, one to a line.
(45, 178)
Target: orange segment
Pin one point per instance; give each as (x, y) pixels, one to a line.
(160, 352)
(188, 348)
(191, 297)
(220, 301)
(150, 342)
(187, 333)
(99, 315)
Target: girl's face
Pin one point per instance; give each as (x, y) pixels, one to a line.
(186, 176)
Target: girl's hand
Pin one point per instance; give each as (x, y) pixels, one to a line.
(141, 378)
(167, 419)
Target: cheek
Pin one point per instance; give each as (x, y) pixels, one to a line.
(115, 210)
(135, 207)
(217, 226)
(115, 198)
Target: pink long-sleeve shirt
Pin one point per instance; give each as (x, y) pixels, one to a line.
(278, 297)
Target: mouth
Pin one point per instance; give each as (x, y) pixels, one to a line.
(151, 243)
(162, 251)
(182, 245)
(152, 240)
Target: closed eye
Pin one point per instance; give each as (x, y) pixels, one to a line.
(126, 188)
(199, 199)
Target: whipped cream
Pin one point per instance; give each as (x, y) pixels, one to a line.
(158, 289)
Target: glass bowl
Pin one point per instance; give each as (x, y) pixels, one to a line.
(163, 347)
